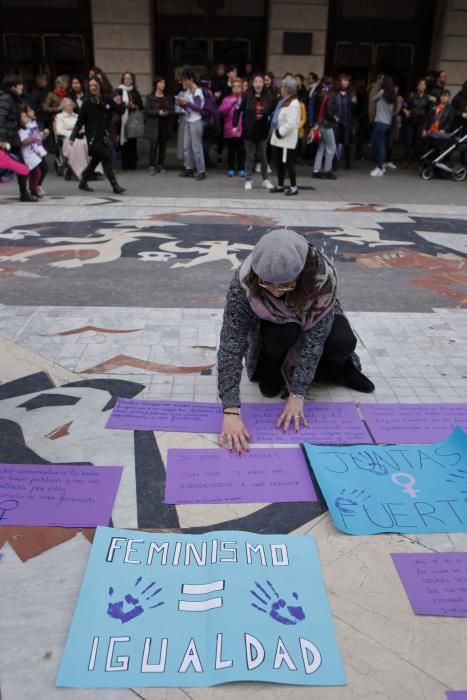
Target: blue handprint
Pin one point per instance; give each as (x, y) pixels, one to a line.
(348, 500)
(459, 476)
(119, 609)
(274, 606)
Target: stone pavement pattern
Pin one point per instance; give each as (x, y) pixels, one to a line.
(105, 296)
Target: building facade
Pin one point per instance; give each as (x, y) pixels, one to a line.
(404, 38)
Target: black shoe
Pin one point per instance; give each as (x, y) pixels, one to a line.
(68, 174)
(200, 176)
(117, 189)
(27, 197)
(277, 188)
(330, 175)
(351, 377)
(83, 185)
(318, 175)
(186, 173)
(291, 191)
(271, 386)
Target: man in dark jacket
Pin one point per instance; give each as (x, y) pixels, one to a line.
(11, 103)
(96, 116)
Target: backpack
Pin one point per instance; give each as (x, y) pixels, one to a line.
(210, 112)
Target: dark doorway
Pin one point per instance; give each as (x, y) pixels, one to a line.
(366, 37)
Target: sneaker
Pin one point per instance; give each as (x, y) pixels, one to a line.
(40, 192)
(241, 173)
(277, 188)
(329, 175)
(230, 173)
(390, 165)
(248, 185)
(258, 168)
(267, 184)
(200, 176)
(377, 172)
(291, 191)
(152, 170)
(317, 174)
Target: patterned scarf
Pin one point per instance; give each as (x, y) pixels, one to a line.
(269, 308)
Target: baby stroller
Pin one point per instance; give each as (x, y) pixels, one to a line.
(436, 159)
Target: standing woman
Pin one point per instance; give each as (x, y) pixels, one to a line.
(106, 85)
(158, 109)
(76, 92)
(235, 146)
(415, 111)
(284, 136)
(326, 123)
(96, 116)
(257, 107)
(192, 102)
(283, 316)
(132, 101)
(344, 104)
(385, 100)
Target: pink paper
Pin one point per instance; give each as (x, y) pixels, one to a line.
(259, 476)
(436, 584)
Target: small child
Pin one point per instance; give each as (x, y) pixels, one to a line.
(33, 151)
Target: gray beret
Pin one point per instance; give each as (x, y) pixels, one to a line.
(279, 256)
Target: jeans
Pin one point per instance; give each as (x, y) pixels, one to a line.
(251, 148)
(326, 149)
(289, 165)
(378, 141)
(193, 155)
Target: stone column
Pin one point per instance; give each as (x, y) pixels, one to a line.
(449, 49)
(297, 16)
(122, 31)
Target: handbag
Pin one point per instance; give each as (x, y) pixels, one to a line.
(134, 128)
(314, 133)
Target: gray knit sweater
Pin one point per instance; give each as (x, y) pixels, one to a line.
(240, 338)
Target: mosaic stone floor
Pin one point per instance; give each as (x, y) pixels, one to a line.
(106, 299)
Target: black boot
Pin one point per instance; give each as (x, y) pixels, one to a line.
(348, 375)
(83, 185)
(115, 186)
(271, 386)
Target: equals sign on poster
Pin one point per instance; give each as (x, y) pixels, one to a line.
(197, 589)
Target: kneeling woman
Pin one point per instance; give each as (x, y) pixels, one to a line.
(283, 316)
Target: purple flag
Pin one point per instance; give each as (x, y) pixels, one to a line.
(59, 495)
(328, 423)
(413, 422)
(436, 584)
(259, 476)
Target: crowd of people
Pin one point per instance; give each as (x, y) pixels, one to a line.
(255, 119)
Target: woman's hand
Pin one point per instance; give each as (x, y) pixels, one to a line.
(234, 129)
(293, 413)
(234, 434)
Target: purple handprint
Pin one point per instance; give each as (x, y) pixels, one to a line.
(275, 606)
(120, 610)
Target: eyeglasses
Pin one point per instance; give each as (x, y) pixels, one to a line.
(278, 287)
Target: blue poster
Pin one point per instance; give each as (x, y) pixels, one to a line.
(397, 488)
(165, 610)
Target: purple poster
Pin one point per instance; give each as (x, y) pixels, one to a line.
(59, 495)
(456, 694)
(436, 584)
(259, 476)
(328, 424)
(172, 416)
(413, 422)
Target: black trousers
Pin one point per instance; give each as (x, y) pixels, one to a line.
(289, 165)
(21, 179)
(235, 154)
(99, 153)
(129, 154)
(159, 147)
(278, 338)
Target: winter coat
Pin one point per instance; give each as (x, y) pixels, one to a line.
(328, 119)
(10, 107)
(52, 103)
(446, 119)
(286, 134)
(348, 125)
(254, 129)
(227, 108)
(96, 116)
(459, 105)
(419, 106)
(152, 117)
